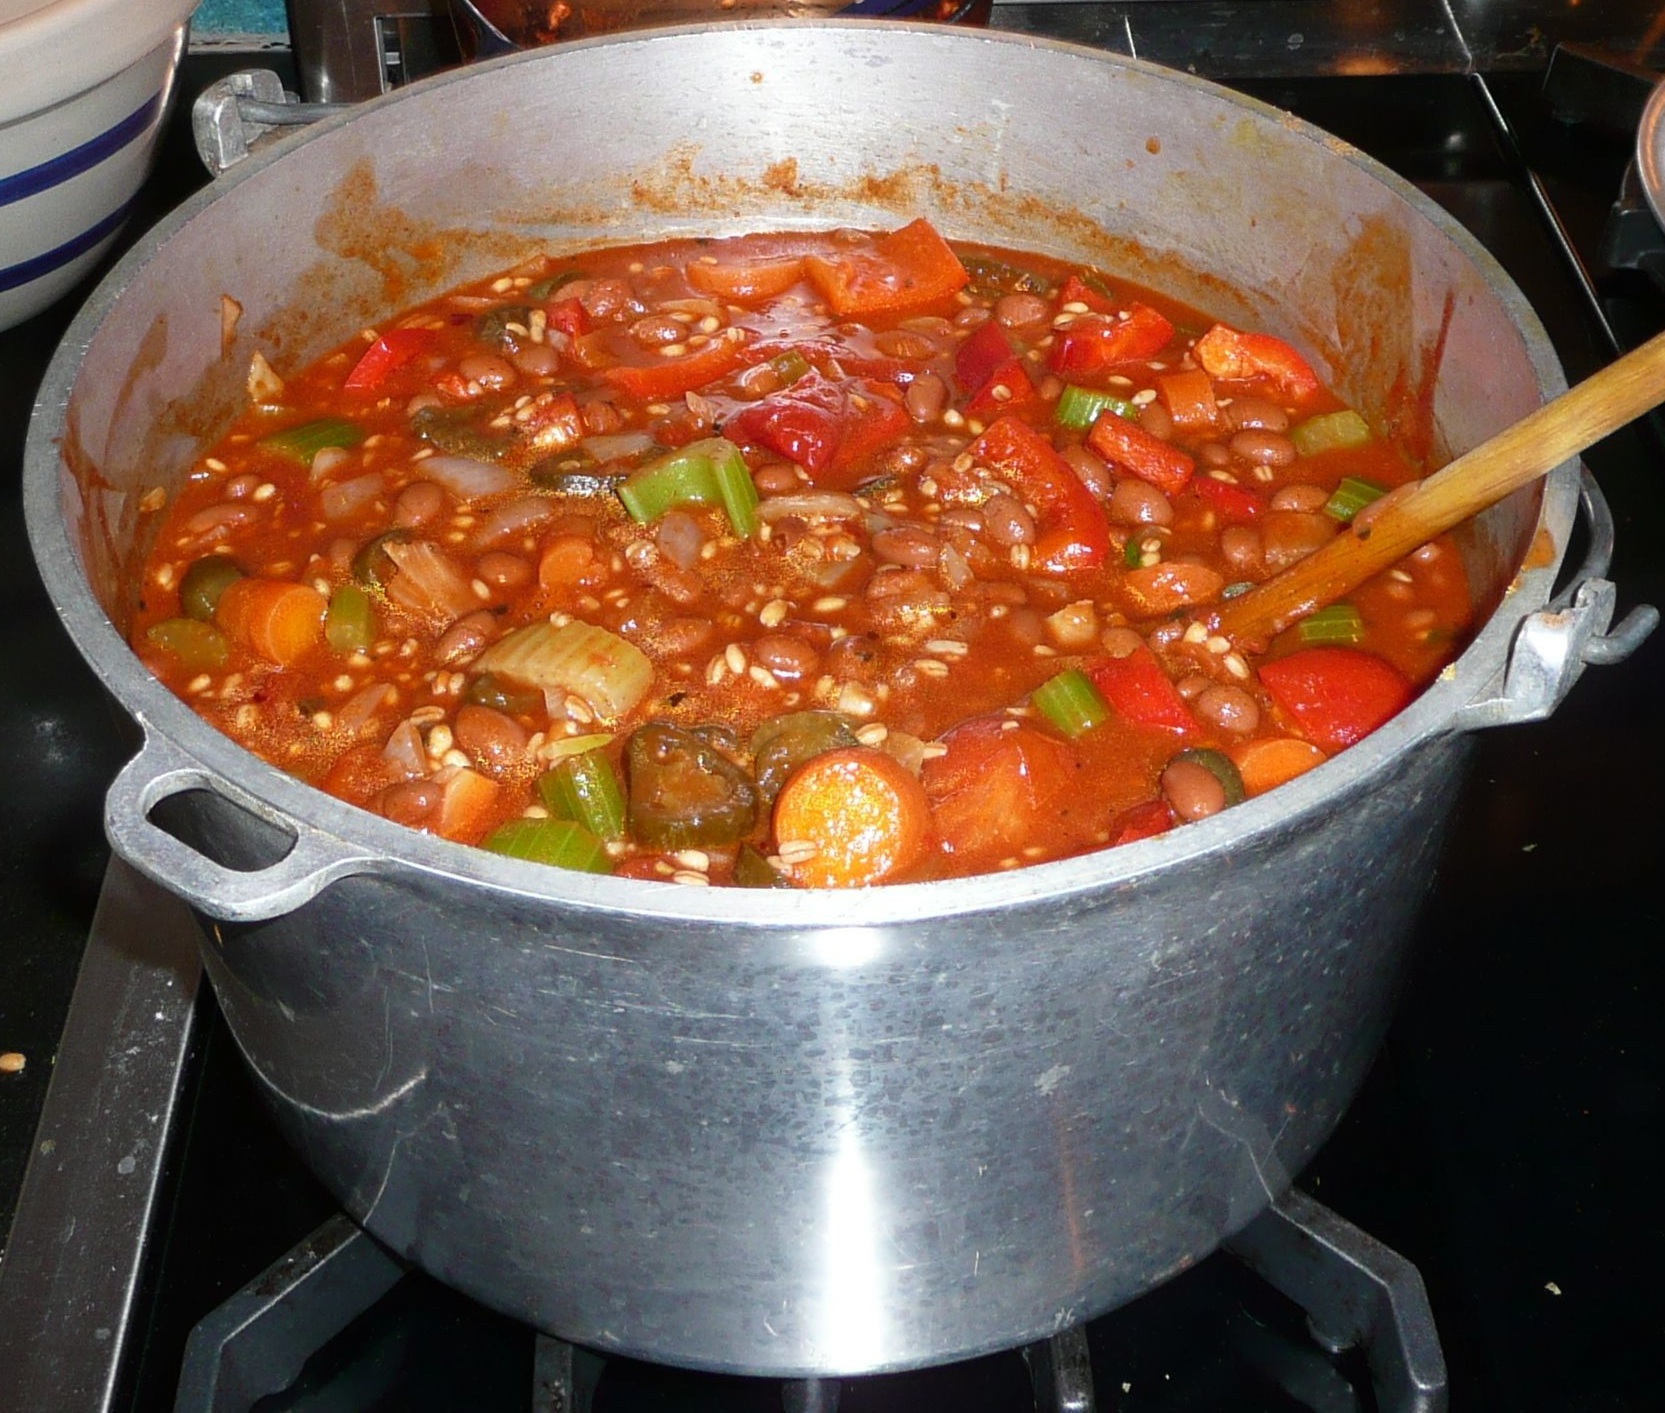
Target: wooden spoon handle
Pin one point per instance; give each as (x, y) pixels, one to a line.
(1531, 448)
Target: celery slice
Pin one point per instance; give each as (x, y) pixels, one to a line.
(1071, 702)
(559, 843)
(1351, 496)
(350, 622)
(1080, 407)
(302, 443)
(1334, 623)
(605, 670)
(585, 788)
(708, 472)
(1331, 431)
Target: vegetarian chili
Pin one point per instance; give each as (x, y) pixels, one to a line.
(817, 560)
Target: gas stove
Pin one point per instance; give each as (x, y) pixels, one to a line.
(165, 1246)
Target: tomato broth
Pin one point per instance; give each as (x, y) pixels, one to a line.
(816, 560)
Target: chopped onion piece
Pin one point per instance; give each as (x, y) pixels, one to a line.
(429, 581)
(810, 505)
(588, 662)
(340, 501)
(616, 446)
(465, 477)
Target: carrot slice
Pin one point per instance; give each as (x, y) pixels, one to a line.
(904, 270)
(746, 282)
(1272, 761)
(671, 377)
(862, 811)
(278, 619)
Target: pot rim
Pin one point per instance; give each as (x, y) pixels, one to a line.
(159, 712)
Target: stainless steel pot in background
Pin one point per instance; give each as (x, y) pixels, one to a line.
(804, 1133)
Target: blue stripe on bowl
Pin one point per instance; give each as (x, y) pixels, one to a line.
(57, 170)
(26, 271)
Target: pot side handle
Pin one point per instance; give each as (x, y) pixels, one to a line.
(311, 862)
(1553, 646)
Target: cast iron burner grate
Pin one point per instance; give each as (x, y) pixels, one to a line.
(259, 1345)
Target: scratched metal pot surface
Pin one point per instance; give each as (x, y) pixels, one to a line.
(800, 1133)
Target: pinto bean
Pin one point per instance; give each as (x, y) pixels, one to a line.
(1302, 496)
(467, 637)
(419, 503)
(853, 657)
(1006, 522)
(656, 330)
(1094, 474)
(1157, 420)
(1230, 708)
(1256, 412)
(906, 544)
(776, 478)
(926, 397)
(1290, 535)
(1262, 448)
(1120, 642)
(1018, 311)
(1213, 455)
(1136, 502)
(1240, 546)
(537, 360)
(501, 570)
(411, 802)
(905, 344)
(1193, 790)
(491, 738)
(786, 655)
(488, 370)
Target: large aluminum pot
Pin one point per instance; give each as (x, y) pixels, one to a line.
(801, 1133)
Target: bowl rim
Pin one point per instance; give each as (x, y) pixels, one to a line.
(104, 36)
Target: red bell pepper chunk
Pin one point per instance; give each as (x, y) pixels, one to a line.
(1094, 342)
(1072, 531)
(1234, 504)
(1144, 821)
(904, 270)
(980, 355)
(1138, 688)
(569, 316)
(1009, 389)
(1225, 352)
(989, 369)
(1336, 696)
(1128, 445)
(672, 377)
(386, 355)
(828, 428)
(1078, 291)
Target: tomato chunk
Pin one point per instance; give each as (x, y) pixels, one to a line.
(994, 785)
(1336, 696)
(830, 429)
(671, 377)
(386, 355)
(904, 270)
(1144, 821)
(1094, 342)
(1138, 688)
(1073, 531)
(1225, 352)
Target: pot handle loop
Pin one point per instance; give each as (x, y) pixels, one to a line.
(1553, 646)
(310, 862)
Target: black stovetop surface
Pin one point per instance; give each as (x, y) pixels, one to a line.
(1506, 1140)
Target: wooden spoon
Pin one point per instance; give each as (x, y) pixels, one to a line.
(1531, 448)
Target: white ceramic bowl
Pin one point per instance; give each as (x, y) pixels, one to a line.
(84, 86)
